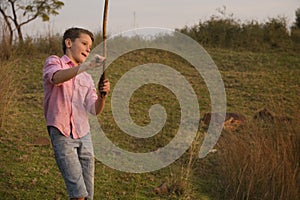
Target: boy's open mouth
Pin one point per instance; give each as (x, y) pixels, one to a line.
(84, 55)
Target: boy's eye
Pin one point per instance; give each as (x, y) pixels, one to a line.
(86, 44)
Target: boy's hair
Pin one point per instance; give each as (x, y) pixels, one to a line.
(73, 33)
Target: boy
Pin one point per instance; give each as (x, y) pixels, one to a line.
(69, 94)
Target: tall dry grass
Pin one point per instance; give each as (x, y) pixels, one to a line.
(7, 88)
(6, 73)
(261, 161)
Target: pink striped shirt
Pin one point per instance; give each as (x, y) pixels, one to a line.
(69, 102)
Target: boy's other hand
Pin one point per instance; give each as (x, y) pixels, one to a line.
(104, 86)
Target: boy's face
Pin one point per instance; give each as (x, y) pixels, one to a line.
(79, 49)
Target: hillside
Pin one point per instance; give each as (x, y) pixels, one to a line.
(253, 80)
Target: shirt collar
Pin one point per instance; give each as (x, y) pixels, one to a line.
(67, 60)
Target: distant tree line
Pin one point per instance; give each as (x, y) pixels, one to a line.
(227, 32)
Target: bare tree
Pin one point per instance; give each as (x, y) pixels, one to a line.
(17, 13)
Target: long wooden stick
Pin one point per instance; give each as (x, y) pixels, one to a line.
(105, 11)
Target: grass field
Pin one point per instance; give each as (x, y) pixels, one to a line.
(252, 81)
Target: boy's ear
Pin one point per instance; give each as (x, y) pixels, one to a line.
(68, 43)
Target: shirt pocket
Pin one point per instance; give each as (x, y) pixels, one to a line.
(82, 88)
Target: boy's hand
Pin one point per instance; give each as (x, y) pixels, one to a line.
(104, 86)
(96, 61)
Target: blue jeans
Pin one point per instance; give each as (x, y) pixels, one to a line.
(75, 160)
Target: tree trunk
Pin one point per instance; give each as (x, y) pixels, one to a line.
(8, 25)
(20, 34)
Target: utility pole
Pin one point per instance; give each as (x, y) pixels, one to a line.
(134, 19)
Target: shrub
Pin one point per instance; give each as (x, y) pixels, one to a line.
(276, 33)
(232, 34)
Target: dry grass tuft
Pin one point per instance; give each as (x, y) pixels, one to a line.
(261, 160)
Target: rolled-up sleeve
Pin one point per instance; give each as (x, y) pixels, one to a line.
(52, 65)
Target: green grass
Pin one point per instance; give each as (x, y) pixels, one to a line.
(252, 81)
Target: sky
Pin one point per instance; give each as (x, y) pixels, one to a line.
(128, 14)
